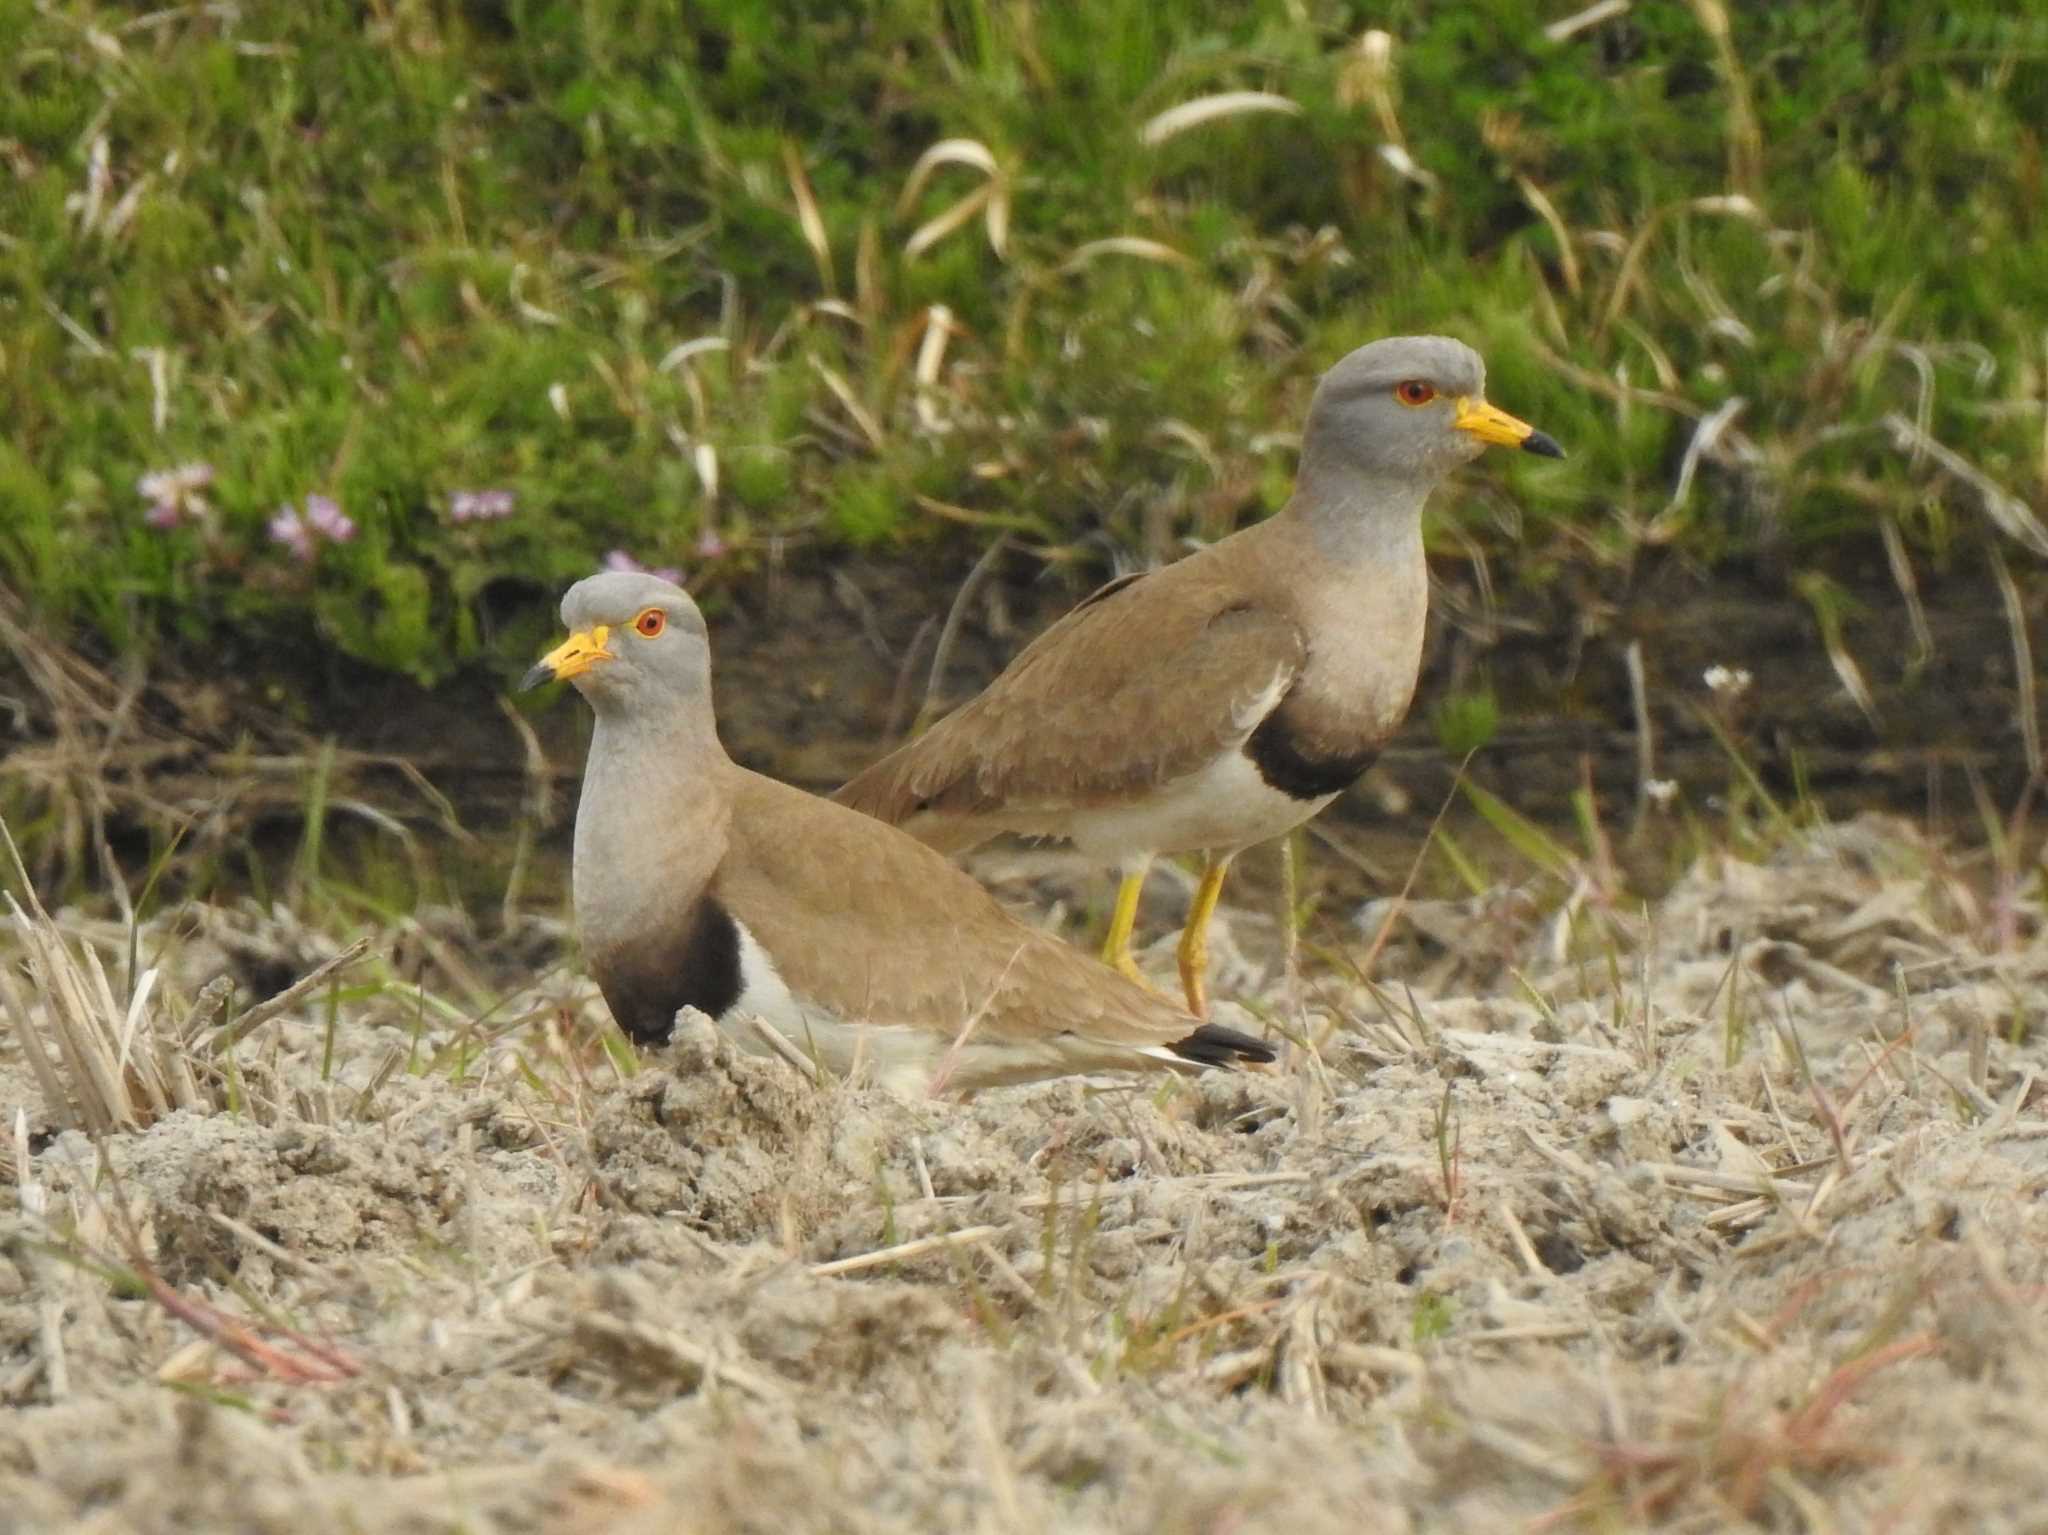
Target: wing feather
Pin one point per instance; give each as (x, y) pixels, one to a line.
(871, 924)
(1150, 678)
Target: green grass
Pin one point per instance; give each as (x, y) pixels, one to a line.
(390, 252)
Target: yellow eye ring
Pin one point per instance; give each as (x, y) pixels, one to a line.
(650, 623)
(1413, 391)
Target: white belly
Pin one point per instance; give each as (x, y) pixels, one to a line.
(1224, 807)
(897, 1057)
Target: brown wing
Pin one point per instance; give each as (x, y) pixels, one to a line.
(1148, 679)
(870, 923)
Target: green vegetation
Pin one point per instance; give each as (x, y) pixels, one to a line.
(688, 278)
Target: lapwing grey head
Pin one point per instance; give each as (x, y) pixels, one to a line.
(635, 640)
(1411, 408)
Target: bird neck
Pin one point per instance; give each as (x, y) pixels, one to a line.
(1359, 581)
(650, 817)
(652, 737)
(1355, 519)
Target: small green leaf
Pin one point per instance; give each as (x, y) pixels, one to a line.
(1466, 722)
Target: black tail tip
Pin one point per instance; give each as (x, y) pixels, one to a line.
(1214, 1045)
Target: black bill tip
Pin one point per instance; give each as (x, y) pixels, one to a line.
(534, 678)
(1543, 444)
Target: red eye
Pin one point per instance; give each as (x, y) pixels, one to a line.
(1414, 392)
(651, 623)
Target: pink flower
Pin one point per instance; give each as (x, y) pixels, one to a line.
(289, 529)
(480, 505)
(325, 517)
(323, 522)
(618, 559)
(174, 494)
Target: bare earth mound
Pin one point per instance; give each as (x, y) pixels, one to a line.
(1726, 1215)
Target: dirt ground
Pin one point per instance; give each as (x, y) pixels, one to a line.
(1728, 1214)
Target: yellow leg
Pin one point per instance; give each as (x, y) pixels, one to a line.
(1116, 944)
(1194, 938)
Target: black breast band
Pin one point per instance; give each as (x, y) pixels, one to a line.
(646, 983)
(1287, 762)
